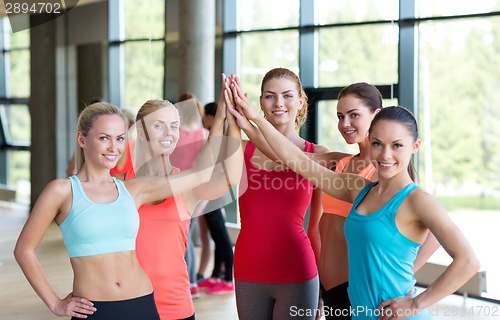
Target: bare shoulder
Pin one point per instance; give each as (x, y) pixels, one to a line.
(58, 188)
(56, 196)
(135, 184)
(423, 203)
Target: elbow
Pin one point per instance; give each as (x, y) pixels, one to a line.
(19, 254)
(475, 264)
(471, 265)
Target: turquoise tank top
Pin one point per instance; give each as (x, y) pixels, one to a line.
(99, 228)
(380, 257)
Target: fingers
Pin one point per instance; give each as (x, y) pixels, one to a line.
(384, 304)
(75, 306)
(385, 311)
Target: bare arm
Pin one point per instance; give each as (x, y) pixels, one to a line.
(150, 189)
(465, 263)
(339, 185)
(315, 212)
(252, 132)
(230, 163)
(45, 210)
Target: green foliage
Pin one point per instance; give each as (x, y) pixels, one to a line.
(144, 19)
(470, 202)
(20, 85)
(354, 54)
(465, 121)
(19, 124)
(265, 14)
(144, 60)
(143, 73)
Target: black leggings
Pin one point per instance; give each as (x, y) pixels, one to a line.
(141, 308)
(336, 302)
(223, 248)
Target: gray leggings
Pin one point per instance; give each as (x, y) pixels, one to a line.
(268, 301)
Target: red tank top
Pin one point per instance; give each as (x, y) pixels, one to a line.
(338, 207)
(272, 246)
(160, 247)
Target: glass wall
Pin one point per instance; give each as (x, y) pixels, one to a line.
(15, 120)
(460, 126)
(372, 58)
(144, 47)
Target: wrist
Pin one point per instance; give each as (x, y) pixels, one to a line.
(53, 305)
(417, 303)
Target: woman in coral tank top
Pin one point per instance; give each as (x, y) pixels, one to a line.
(164, 225)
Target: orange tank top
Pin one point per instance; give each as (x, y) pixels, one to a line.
(341, 208)
(160, 247)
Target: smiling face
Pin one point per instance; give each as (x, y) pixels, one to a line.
(105, 140)
(162, 129)
(280, 101)
(354, 119)
(391, 147)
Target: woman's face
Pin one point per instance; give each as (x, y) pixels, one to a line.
(162, 129)
(280, 101)
(391, 147)
(354, 118)
(105, 141)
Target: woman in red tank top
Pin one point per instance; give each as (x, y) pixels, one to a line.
(274, 262)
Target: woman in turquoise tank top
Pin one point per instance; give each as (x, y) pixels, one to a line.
(98, 218)
(389, 219)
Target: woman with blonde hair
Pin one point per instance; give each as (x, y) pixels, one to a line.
(97, 216)
(274, 262)
(164, 224)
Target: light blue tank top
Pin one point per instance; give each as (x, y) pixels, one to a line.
(99, 228)
(380, 257)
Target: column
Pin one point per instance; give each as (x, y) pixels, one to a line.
(42, 105)
(197, 48)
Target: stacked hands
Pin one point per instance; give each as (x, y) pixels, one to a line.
(239, 105)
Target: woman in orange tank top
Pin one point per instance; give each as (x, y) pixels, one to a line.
(163, 232)
(357, 104)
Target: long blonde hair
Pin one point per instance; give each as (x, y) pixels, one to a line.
(86, 121)
(280, 73)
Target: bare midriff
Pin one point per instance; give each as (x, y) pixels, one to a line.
(110, 277)
(333, 269)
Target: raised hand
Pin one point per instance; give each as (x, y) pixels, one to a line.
(229, 100)
(221, 104)
(243, 105)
